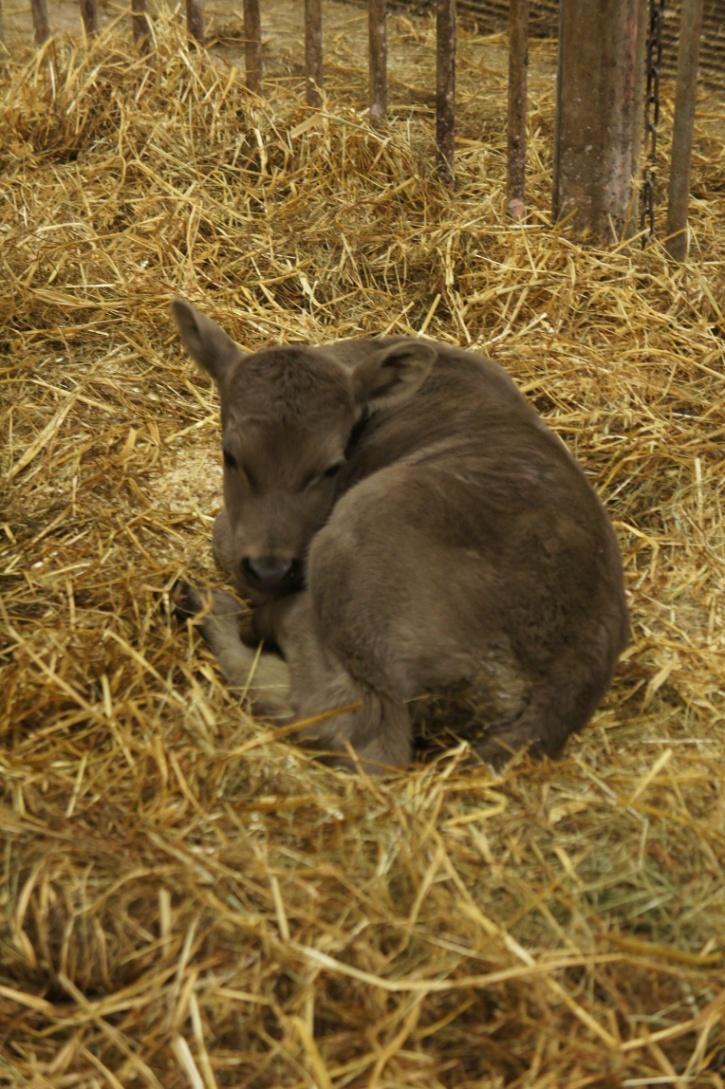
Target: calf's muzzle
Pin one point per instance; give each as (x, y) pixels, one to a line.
(272, 574)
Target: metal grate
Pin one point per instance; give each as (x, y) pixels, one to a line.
(491, 16)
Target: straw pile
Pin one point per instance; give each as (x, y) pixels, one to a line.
(187, 901)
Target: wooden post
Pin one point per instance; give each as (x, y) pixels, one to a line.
(89, 14)
(313, 51)
(378, 39)
(41, 26)
(680, 161)
(445, 87)
(253, 45)
(599, 111)
(195, 19)
(518, 66)
(141, 25)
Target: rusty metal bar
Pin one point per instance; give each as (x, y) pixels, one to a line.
(445, 87)
(41, 26)
(600, 95)
(141, 25)
(195, 19)
(313, 51)
(378, 39)
(253, 45)
(680, 162)
(653, 53)
(89, 14)
(518, 71)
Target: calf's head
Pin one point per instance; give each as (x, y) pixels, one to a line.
(288, 414)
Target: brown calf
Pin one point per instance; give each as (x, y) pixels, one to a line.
(405, 523)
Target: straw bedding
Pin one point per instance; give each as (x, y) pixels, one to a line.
(188, 900)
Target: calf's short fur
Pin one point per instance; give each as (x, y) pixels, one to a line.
(404, 522)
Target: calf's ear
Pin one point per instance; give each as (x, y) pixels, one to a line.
(394, 374)
(205, 341)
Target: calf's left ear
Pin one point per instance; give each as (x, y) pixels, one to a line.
(205, 341)
(393, 374)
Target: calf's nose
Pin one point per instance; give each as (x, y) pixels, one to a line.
(269, 572)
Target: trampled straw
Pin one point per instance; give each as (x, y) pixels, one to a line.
(187, 900)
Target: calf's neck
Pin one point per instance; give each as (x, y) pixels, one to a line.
(403, 522)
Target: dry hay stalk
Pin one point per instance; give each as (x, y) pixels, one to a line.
(186, 900)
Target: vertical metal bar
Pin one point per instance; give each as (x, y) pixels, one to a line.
(313, 51)
(653, 53)
(253, 45)
(195, 19)
(89, 14)
(518, 69)
(445, 87)
(679, 188)
(41, 26)
(141, 25)
(378, 40)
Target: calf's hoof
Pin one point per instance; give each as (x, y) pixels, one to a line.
(185, 602)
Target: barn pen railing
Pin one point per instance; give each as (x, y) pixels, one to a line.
(603, 52)
(681, 156)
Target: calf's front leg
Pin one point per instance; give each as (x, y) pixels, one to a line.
(263, 678)
(338, 714)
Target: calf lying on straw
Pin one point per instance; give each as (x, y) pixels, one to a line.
(403, 522)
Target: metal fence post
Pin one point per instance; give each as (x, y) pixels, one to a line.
(378, 60)
(445, 86)
(518, 65)
(599, 112)
(680, 161)
(195, 19)
(41, 26)
(313, 51)
(141, 25)
(89, 14)
(253, 45)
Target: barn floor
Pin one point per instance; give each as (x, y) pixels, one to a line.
(186, 899)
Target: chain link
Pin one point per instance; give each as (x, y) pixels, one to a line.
(652, 117)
